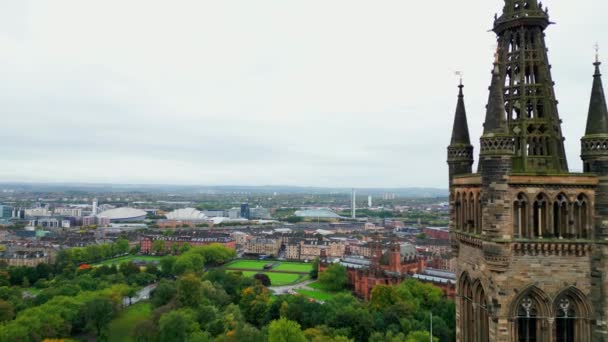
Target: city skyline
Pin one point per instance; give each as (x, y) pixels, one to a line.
(322, 94)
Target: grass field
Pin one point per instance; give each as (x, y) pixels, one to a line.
(128, 258)
(298, 267)
(278, 279)
(248, 264)
(293, 267)
(122, 327)
(318, 295)
(316, 285)
(319, 292)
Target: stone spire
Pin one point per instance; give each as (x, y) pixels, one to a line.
(496, 138)
(496, 122)
(594, 145)
(460, 130)
(529, 97)
(460, 151)
(597, 120)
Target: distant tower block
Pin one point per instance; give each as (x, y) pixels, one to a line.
(354, 205)
(369, 201)
(94, 206)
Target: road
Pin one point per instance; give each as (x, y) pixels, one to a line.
(289, 289)
(143, 294)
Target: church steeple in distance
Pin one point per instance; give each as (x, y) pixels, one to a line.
(530, 103)
(460, 150)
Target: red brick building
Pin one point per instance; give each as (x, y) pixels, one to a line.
(389, 268)
(437, 233)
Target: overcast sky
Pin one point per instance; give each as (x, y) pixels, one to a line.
(260, 92)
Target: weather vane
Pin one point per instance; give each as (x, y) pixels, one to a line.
(459, 74)
(597, 52)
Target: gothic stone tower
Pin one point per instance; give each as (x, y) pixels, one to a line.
(531, 237)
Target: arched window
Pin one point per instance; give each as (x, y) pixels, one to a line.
(527, 321)
(457, 205)
(467, 317)
(561, 224)
(479, 213)
(581, 217)
(520, 217)
(471, 216)
(464, 213)
(482, 316)
(572, 313)
(530, 312)
(565, 321)
(540, 217)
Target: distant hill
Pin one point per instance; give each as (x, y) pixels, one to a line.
(219, 189)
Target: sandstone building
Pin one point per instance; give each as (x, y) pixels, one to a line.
(530, 237)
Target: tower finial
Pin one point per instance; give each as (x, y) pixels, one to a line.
(460, 74)
(597, 53)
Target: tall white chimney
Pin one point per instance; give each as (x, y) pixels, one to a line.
(354, 209)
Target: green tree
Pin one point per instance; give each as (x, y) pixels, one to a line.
(166, 264)
(314, 272)
(284, 330)
(383, 296)
(7, 311)
(158, 246)
(163, 293)
(188, 262)
(334, 278)
(184, 248)
(189, 291)
(121, 246)
(263, 278)
(255, 302)
(173, 326)
(420, 336)
(99, 312)
(132, 292)
(214, 254)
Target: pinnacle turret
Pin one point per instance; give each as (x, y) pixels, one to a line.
(597, 120)
(594, 145)
(496, 122)
(460, 151)
(460, 131)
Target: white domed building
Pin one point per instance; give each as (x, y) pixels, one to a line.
(186, 214)
(124, 214)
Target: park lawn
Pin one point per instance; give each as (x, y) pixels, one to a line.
(319, 288)
(293, 267)
(278, 279)
(121, 328)
(249, 264)
(126, 258)
(298, 267)
(316, 285)
(317, 295)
